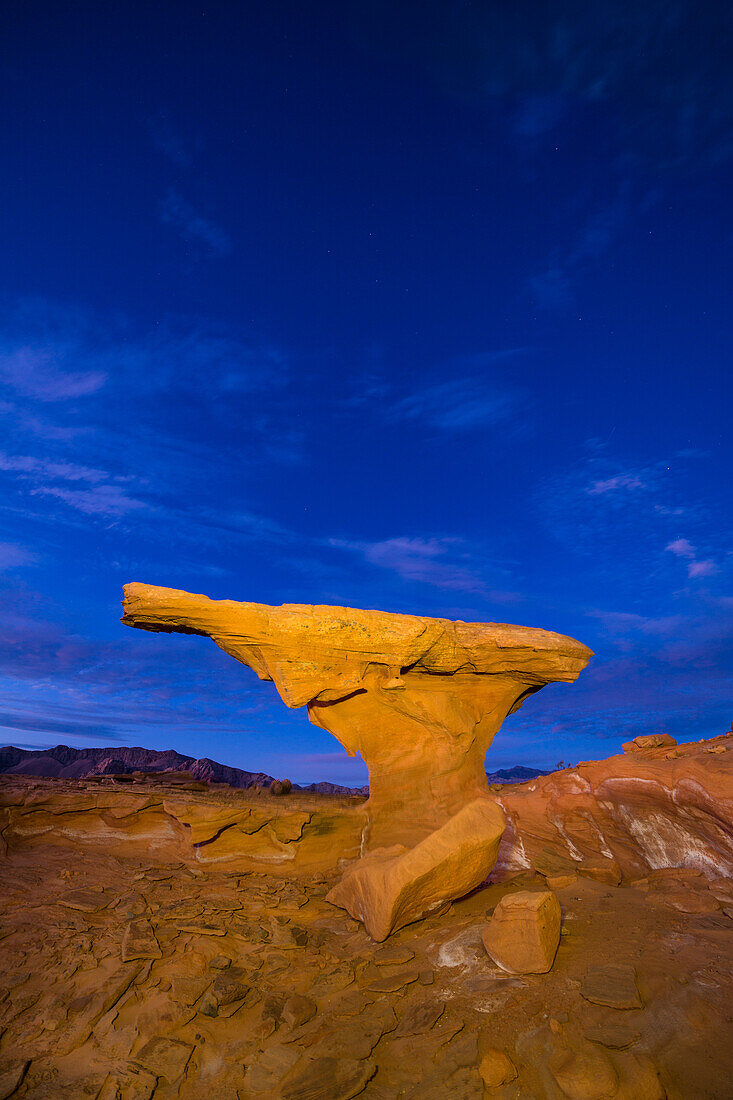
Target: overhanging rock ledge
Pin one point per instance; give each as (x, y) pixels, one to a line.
(420, 698)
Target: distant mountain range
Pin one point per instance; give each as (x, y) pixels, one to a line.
(517, 774)
(63, 762)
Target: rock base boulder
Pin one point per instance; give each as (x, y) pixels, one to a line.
(496, 1069)
(524, 932)
(395, 886)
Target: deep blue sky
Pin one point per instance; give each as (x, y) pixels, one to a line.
(417, 307)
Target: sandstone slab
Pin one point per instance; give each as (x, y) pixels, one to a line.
(583, 1071)
(419, 1018)
(318, 1078)
(84, 901)
(164, 1057)
(392, 983)
(298, 1010)
(523, 934)
(11, 1076)
(613, 985)
(614, 1036)
(586, 1074)
(139, 942)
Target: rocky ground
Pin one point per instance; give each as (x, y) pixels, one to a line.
(129, 973)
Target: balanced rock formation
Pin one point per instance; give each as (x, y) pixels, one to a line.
(421, 699)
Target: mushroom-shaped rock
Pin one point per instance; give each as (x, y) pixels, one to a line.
(421, 699)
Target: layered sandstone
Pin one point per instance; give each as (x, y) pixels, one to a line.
(420, 699)
(392, 887)
(613, 820)
(618, 819)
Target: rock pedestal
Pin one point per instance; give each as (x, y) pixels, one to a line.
(392, 887)
(421, 699)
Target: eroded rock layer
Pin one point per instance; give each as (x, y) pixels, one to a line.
(132, 968)
(620, 818)
(421, 699)
(613, 819)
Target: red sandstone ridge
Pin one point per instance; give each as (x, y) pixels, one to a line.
(655, 807)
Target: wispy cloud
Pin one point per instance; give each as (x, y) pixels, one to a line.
(14, 556)
(704, 568)
(623, 622)
(178, 213)
(101, 496)
(43, 373)
(473, 394)
(642, 72)
(43, 468)
(459, 404)
(441, 562)
(683, 548)
(602, 502)
(141, 423)
(13, 723)
(556, 287)
(103, 500)
(625, 513)
(612, 484)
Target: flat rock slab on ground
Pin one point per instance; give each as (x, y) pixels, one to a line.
(11, 1075)
(614, 1036)
(139, 942)
(165, 1058)
(613, 985)
(335, 1078)
(85, 901)
(390, 983)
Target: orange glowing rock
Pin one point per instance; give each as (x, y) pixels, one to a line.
(420, 699)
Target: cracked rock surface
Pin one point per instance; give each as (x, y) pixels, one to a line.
(132, 969)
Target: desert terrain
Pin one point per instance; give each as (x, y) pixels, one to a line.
(164, 937)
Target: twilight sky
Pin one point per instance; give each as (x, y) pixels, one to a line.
(420, 307)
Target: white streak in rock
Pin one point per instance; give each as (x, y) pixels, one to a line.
(667, 843)
(605, 850)
(574, 853)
